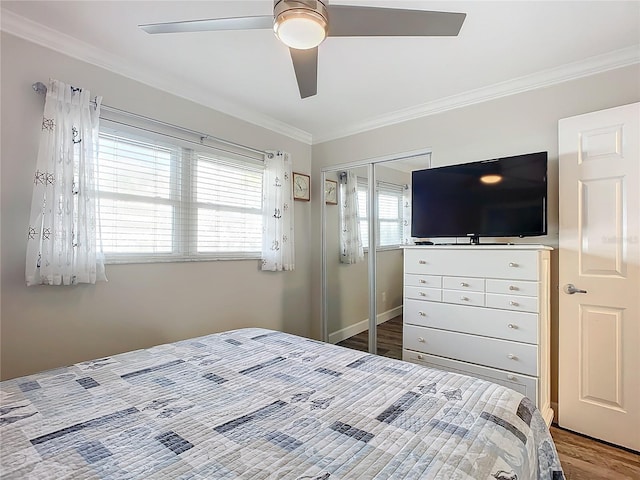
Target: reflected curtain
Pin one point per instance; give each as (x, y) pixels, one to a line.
(406, 215)
(278, 252)
(61, 243)
(351, 249)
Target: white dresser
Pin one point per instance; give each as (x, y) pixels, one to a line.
(481, 310)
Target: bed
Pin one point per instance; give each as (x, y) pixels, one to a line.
(260, 404)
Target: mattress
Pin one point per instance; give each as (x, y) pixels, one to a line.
(261, 404)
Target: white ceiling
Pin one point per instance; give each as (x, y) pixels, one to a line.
(504, 47)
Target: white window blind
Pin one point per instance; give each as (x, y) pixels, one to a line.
(228, 207)
(389, 198)
(163, 202)
(390, 218)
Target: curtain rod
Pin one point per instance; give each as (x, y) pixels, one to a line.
(41, 88)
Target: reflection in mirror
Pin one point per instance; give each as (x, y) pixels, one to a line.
(352, 238)
(347, 264)
(347, 270)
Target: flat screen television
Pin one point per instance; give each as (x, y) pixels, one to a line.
(503, 197)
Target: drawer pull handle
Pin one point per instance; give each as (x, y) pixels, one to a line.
(422, 294)
(422, 262)
(512, 264)
(515, 304)
(512, 377)
(422, 314)
(513, 287)
(511, 356)
(511, 325)
(462, 284)
(423, 281)
(420, 357)
(421, 340)
(465, 299)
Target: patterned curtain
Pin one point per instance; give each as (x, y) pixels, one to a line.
(351, 250)
(277, 240)
(61, 244)
(406, 215)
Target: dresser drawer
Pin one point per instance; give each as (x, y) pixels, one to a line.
(463, 298)
(469, 284)
(429, 281)
(523, 384)
(512, 264)
(512, 302)
(515, 326)
(432, 294)
(502, 354)
(515, 287)
(517, 265)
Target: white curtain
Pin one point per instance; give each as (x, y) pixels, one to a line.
(351, 250)
(278, 252)
(61, 242)
(406, 216)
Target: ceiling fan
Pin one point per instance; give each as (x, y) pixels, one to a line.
(302, 25)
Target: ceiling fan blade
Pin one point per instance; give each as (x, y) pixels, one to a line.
(305, 64)
(353, 21)
(237, 23)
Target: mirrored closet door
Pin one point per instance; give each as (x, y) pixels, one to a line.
(362, 243)
(346, 270)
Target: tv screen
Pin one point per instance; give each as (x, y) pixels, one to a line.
(503, 197)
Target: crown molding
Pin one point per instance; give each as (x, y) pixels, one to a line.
(54, 40)
(590, 66)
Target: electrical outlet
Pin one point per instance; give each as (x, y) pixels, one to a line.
(384, 297)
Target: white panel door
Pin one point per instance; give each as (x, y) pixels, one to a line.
(599, 325)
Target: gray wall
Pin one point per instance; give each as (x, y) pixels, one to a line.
(527, 122)
(141, 305)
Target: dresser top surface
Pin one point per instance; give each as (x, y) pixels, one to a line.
(462, 246)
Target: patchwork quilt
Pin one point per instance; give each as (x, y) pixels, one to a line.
(261, 404)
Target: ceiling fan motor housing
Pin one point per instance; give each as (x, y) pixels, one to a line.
(308, 6)
(300, 24)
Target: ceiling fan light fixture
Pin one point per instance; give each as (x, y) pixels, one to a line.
(301, 29)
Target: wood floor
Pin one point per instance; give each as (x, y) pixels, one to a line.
(389, 339)
(585, 459)
(582, 458)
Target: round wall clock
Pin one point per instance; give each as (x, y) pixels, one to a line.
(301, 186)
(331, 192)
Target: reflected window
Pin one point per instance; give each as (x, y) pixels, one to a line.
(390, 213)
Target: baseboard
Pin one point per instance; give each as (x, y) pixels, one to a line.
(359, 327)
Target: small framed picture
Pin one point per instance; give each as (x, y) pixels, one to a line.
(301, 187)
(331, 192)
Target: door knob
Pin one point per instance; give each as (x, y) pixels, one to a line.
(570, 289)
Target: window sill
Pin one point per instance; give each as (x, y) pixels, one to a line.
(385, 248)
(139, 260)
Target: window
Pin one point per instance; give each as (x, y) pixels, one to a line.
(163, 202)
(389, 227)
(228, 200)
(389, 214)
